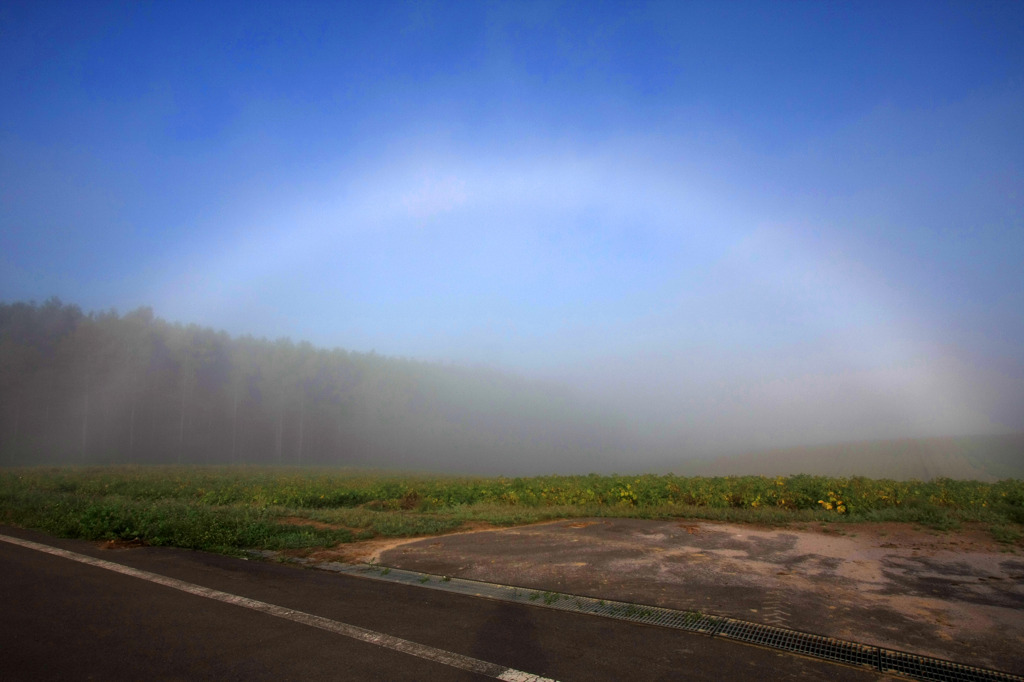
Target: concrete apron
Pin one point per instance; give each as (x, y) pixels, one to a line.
(955, 595)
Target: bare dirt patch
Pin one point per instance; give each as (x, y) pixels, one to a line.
(118, 543)
(370, 551)
(956, 595)
(366, 551)
(582, 524)
(319, 525)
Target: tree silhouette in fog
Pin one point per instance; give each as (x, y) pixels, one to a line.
(106, 388)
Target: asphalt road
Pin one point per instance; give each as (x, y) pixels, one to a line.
(63, 619)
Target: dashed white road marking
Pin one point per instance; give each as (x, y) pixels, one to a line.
(429, 653)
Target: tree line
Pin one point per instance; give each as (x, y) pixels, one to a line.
(104, 388)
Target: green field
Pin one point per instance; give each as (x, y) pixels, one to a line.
(234, 509)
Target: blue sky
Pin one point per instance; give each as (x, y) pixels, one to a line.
(745, 224)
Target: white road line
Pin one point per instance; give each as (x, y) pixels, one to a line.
(430, 653)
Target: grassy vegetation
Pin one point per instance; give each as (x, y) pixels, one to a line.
(231, 509)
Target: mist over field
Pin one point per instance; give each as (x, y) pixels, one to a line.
(109, 389)
(513, 237)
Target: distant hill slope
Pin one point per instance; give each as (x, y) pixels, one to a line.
(982, 458)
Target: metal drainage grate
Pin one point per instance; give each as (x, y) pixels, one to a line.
(825, 648)
(926, 668)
